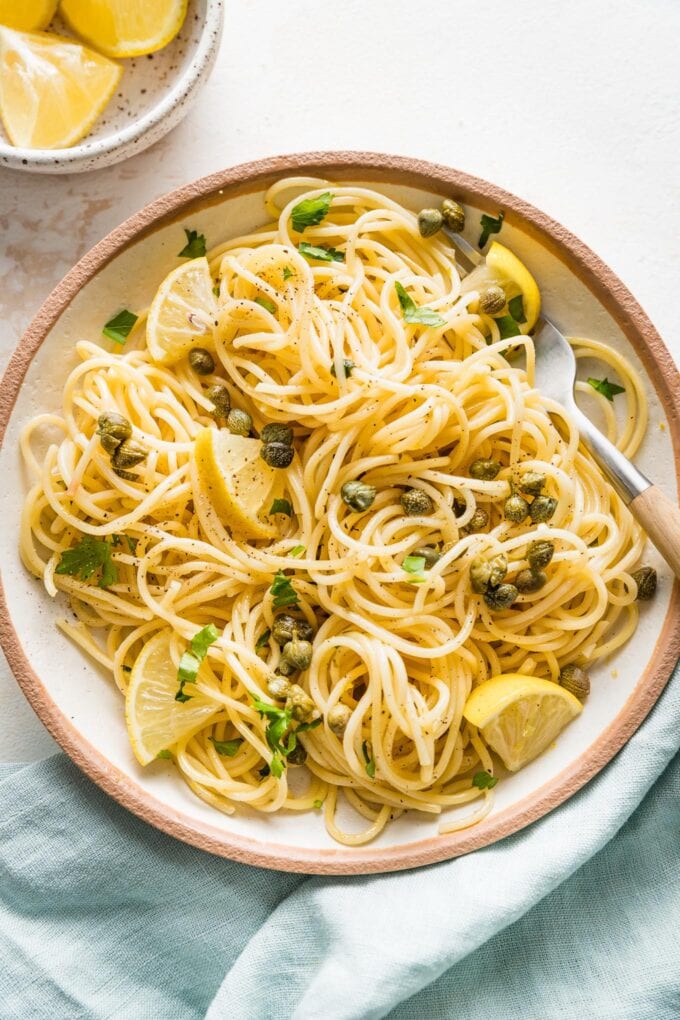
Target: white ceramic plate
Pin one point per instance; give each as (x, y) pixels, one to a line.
(80, 704)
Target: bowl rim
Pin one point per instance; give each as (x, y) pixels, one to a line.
(618, 301)
(24, 159)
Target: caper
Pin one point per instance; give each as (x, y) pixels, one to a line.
(128, 476)
(501, 597)
(416, 502)
(645, 579)
(542, 508)
(528, 581)
(428, 553)
(478, 521)
(516, 508)
(492, 300)
(285, 668)
(239, 422)
(357, 495)
(484, 469)
(459, 507)
(277, 432)
(454, 215)
(300, 704)
(298, 756)
(277, 455)
(338, 717)
(128, 454)
(540, 554)
(286, 627)
(480, 575)
(278, 686)
(298, 653)
(201, 361)
(220, 399)
(532, 483)
(429, 222)
(113, 429)
(499, 568)
(575, 680)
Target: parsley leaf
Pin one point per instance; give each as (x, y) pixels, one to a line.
(227, 747)
(190, 661)
(507, 326)
(131, 543)
(120, 326)
(287, 273)
(347, 366)
(283, 591)
(216, 290)
(490, 225)
(281, 506)
(317, 804)
(516, 308)
(606, 388)
(369, 759)
(411, 313)
(263, 639)
(165, 755)
(296, 551)
(311, 211)
(195, 246)
(414, 565)
(265, 303)
(87, 556)
(320, 252)
(483, 781)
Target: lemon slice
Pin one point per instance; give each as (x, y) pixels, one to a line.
(519, 716)
(51, 89)
(155, 721)
(183, 313)
(125, 28)
(27, 15)
(505, 265)
(236, 481)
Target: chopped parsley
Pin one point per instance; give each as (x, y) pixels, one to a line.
(310, 211)
(165, 755)
(483, 781)
(283, 591)
(317, 804)
(281, 738)
(120, 326)
(195, 246)
(320, 252)
(490, 225)
(191, 660)
(411, 313)
(216, 290)
(265, 303)
(516, 308)
(287, 273)
(227, 747)
(347, 366)
(89, 555)
(606, 388)
(281, 506)
(414, 565)
(297, 551)
(263, 639)
(507, 326)
(368, 759)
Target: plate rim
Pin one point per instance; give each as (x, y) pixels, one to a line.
(631, 319)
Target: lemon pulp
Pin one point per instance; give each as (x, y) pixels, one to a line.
(125, 28)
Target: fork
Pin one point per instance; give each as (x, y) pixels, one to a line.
(555, 376)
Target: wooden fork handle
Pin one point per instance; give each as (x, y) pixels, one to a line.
(660, 518)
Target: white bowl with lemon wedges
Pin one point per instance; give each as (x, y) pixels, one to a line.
(87, 83)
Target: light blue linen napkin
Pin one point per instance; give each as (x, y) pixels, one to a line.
(575, 917)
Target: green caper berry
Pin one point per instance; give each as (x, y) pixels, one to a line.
(645, 579)
(528, 581)
(540, 554)
(416, 502)
(113, 429)
(485, 470)
(201, 361)
(239, 422)
(454, 215)
(285, 627)
(501, 597)
(478, 521)
(575, 680)
(429, 222)
(128, 476)
(277, 455)
(285, 668)
(300, 704)
(480, 575)
(298, 756)
(338, 717)
(128, 454)
(218, 395)
(429, 554)
(277, 432)
(516, 508)
(278, 686)
(492, 300)
(298, 653)
(357, 495)
(542, 509)
(459, 507)
(532, 483)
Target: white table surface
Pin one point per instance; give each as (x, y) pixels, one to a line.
(572, 106)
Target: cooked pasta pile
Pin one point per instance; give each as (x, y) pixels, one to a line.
(374, 398)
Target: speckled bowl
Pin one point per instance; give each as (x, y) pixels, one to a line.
(154, 94)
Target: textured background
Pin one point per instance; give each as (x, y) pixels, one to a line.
(574, 107)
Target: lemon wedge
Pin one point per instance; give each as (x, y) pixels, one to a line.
(236, 481)
(27, 15)
(519, 716)
(51, 89)
(517, 279)
(125, 28)
(183, 313)
(155, 721)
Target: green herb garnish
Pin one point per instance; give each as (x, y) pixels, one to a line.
(87, 556)
(310, 211)
(317, 804)
(281, 506)
(606, 388)
(165, 755)
(283, 591)
(483, 781)
(216, 290)
(296, 551)
(369, 759)
(190, 661)
(516, 308)
(226, 747)
(282, 740)
(490, 225)
(287, 273)
(195, 246)
(320, 252)
(414, 565)
(507, 327)
(263, 639)
(265, 303)
(411, 313)
(120, 326)
(347, 366)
